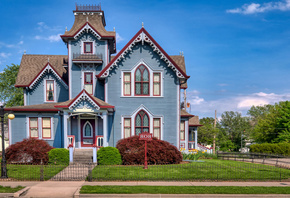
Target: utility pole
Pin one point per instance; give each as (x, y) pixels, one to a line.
(184, 97)
(214, 132)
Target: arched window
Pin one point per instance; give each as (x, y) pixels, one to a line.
(88, 130)
(142, 81)
(141, 122)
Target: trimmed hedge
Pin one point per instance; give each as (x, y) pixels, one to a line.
(132, 151)
(30, 150)
(58, 156)
(109, 156)
(279, 148)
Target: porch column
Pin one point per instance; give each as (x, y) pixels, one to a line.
(65, 128)
(186, 132)
(105, 128)
(195, 137)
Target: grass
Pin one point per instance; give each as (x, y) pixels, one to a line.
(184, 190)
(7, 189)
(213, 170)
(33, 172)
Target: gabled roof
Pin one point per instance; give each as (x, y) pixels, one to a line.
(96, 102)
(143, 36)
(194, 121)
(92, 21)
(179, 60)
(184, 113)
(32, 66)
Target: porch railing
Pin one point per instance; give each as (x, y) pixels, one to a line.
(97, 145)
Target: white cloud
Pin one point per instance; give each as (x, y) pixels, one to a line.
(52, 38)
(203, 107)
(223, 84)
(119, 38)
(4, 55)
(259, 8)
(20, 42)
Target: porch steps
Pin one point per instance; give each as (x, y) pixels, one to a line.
(83, 156)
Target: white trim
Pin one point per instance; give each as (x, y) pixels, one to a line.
(46, 70)
(106, 52)
(105, 129)
(106, 90)
(82, 97)
(87, 28)
(93, 47)
(178, 117)
(70, 70)
(142, 37)
(151, 117)
(65, 128)
(151, 79)
(54, 90)
(93, 79)
(24, 97)
(79, 129)
(83, 135)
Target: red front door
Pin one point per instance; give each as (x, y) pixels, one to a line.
(87, 132)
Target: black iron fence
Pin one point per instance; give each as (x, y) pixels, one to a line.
(259, 158)
(214, 170)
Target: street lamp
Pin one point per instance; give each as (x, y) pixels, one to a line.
(3, 163)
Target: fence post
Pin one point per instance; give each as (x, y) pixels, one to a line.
(41, 173)
(90, 173)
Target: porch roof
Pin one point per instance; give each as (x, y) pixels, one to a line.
(194, 121)
(48, 107)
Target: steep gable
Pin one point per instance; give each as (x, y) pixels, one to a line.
(143, 36)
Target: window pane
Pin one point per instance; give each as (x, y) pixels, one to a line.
(138, 88)
(46, 133)
(182, 135)
(46, 122)
(138, 75)
(156, 122)
(145, 75)
(138, 121)
(156, 89)
(88, 130)
(88, 47)
(34, 132)
(89, 88)
(182, 126)
(88, 78)
(145, 120)
(127, 77)
(127, 122)
(49, 90)
(127, 89)
(137, 131)
(156, 77)
(146, 130)
(127, 132)
(145, 88)
(33, 122)
(156, 133)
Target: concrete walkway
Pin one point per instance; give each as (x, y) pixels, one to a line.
(71, 188)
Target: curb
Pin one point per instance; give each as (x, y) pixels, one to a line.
(21, 192)
(77, 193)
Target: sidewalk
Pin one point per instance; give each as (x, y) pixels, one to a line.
(71, 188)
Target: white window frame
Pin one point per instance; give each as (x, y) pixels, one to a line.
(151, 119)
(151, 79)
(39, 121)
(54, 90)
(93, 78)
(83, 47)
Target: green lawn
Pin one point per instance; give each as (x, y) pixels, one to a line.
(33, 172)
(184, 190)
(208, 170)
(7, 189)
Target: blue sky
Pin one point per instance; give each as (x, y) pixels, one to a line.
(236, 52)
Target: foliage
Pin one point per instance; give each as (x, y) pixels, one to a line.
(272, 124)
(132, 151)
(58, 156)
(233, 126)
(183, 190)
(192, 155)
(280, 148)
(207, 131)
(109, 156)
(213, 170)
(11, 95)
(30, 150)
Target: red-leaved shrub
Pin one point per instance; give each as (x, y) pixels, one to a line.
(30, 150)
(132, 151)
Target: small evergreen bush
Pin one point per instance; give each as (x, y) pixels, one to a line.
(109, 156)
(30, 150)
(58, 156)
(280, 148)
(132, 151)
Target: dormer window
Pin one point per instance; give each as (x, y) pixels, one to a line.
(88, 47)
(49, 95)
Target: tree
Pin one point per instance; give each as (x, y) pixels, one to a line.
(207, 131)
(233, 126)
(9, 94)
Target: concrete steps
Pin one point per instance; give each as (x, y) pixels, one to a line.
(83, 156)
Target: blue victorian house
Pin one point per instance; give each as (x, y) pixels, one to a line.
(90, 98)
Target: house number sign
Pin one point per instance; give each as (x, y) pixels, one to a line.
(147, 137)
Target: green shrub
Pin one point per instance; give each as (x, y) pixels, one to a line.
(58, 156)
(109, 156)
(280, 148)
